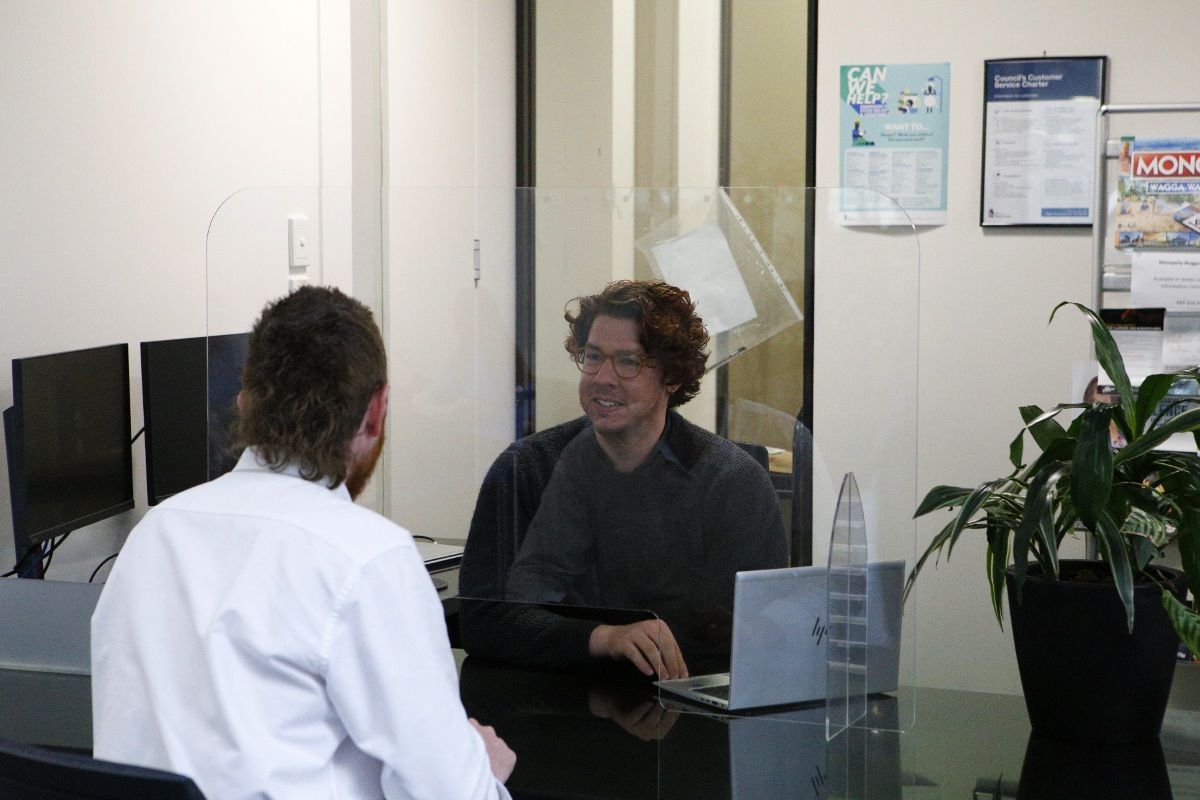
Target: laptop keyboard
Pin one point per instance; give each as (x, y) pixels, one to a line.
(721, 692)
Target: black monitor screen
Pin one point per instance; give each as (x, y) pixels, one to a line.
(189, 391)
(70, 460)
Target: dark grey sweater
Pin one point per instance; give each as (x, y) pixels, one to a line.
(667, 537)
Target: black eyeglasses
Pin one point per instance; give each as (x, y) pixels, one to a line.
(625, 365)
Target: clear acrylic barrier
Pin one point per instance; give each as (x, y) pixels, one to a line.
(261, 243)
(446, 304)
(865, 421)
(865, 379)
(848, 614)
(736, 288)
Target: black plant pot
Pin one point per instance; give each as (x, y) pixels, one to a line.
(1085, 677)
(1055, 770)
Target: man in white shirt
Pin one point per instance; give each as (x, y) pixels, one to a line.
(265, 635)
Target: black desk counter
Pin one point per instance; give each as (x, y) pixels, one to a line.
(603, 734)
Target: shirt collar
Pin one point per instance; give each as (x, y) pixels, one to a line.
(664, 444)
(251, 462)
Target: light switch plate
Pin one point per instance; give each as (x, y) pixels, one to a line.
(300, 242)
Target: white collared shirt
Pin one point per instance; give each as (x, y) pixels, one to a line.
(271, 639)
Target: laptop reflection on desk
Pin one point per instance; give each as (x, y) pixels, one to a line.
(780, 639)
(786, 755)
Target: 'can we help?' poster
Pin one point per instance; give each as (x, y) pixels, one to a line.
(895, 123)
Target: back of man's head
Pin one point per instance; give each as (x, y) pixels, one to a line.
(313, 361)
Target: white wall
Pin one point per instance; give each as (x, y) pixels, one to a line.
(449, 100)
(125, 127)
(152, 153)
(985, 296)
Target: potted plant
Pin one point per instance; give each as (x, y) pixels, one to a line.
(1096, 641)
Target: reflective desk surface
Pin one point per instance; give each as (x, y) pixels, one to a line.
(604, 734)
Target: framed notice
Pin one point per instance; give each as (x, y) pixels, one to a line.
(1039, 140)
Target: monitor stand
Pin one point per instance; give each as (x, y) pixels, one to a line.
(30, 567)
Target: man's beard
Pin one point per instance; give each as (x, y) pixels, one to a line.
(360, 475)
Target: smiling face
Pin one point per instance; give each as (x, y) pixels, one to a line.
(626, 413)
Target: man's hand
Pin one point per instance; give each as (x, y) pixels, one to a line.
(501, 757)
(649, 645)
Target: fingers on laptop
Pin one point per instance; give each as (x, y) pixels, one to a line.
(649, 645)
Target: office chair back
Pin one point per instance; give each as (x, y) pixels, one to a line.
(758, 452)
(802, 478)
(35, 773)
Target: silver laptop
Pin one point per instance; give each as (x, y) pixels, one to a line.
(780, 639)
(439, 556)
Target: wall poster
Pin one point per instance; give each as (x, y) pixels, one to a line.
(895, 122)
(1039, 140)
(1158, 193)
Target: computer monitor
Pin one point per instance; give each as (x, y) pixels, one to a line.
(67, 435)
(189, 391)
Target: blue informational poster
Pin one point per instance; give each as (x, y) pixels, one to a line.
(895, 122)
(1039, 140)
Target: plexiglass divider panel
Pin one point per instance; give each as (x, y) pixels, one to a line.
(561, 538)
(455, 473)
(865, 378)
(261, 243)
(848, 614)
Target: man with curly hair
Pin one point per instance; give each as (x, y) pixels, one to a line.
(266, 636)
(644, 510)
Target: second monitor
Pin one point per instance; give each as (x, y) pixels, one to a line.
(189, 391)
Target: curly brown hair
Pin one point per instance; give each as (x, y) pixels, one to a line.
(669, 329)
(313, 360)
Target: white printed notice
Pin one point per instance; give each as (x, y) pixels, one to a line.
(1169, 280)
(1039, 140)
(1181, 342)
(1138, 333)
(895, 129)
(701, 262)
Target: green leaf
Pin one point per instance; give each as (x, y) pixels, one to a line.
(1186, 422)
(948, 535)
(1016, 449)
(1110, 359)
(1062, 450)
(1112, 546)
(978, 498)
(941, 497)
(1048, 549)
(1150, 527)
(1153, 389)
(1092, 465)
(1185, 621)
(1038, 508)
(997, 560)
(1143, 552)
(935, 546)
(1042, 425)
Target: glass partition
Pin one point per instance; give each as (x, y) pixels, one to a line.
(848, 613)
(549, 521)
(865, 420)
(261, 243)
(564, 544)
